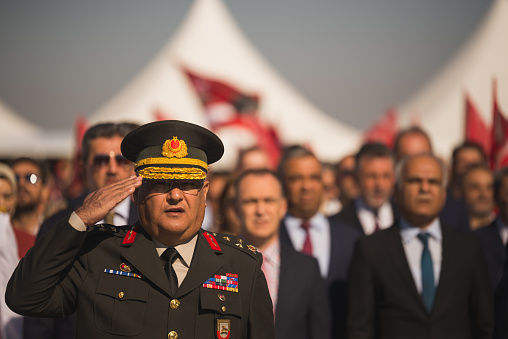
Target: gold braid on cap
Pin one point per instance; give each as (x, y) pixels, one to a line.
(172, 161)
(172, 173)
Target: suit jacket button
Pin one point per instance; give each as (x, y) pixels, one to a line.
(174, 304)
(172, 335)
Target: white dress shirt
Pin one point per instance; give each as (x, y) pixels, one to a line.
(271, 269)
(368, 219)
(122, 211)
(320, 238)
(503, 230)
(414, 248)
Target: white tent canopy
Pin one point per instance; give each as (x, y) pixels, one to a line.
(210, 44)
(19, 137)
(439, 106)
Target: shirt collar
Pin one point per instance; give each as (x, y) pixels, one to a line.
(185, 250)
(317, 222)
(408, 232)
(383, 211)
(272, 252)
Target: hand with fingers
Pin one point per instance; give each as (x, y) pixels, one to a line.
(99, 203)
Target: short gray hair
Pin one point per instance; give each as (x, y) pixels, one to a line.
(401, 165)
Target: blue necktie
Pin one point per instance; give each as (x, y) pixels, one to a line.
(428, 287)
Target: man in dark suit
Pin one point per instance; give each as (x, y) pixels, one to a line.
(309, 231)
(162, 277)
(298, 292)
(495, 236)
(419, 279)
(374, 172)
(102, 163)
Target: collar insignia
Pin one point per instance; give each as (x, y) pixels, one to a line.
(174, 148)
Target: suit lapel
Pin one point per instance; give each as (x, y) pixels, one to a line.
(445, 276)
(143, 255)
(286, 268)
(205, 262)
(393, 244)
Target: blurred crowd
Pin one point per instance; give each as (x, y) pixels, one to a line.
(337, 238)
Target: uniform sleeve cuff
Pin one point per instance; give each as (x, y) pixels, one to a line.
(77, 223)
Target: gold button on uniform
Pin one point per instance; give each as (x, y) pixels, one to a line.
(174, 304)
(172, 335)
(120, 295)
(223, 308)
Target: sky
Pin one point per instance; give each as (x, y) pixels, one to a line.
(354, 59)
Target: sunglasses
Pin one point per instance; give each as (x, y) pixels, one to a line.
(102, 160)
(191, 187)
(31, 178)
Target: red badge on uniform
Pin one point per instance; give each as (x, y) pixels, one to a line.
(223, 328)
(130, 236)
(212, 241)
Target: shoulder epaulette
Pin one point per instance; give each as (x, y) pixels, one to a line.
(236, 242)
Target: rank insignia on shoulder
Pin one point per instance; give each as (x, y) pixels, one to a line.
(252, 248)
(223, 328)
(134, 275)
(212, 241)
(228, 282)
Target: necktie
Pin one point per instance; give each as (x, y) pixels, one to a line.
(307, 244)
(169, 256)
(428, 287)
(376, 221)
(109, 219)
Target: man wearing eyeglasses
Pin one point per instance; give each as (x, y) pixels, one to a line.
(162, 277)
(31, 201)
(102, 163)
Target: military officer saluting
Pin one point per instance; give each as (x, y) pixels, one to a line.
(163, 277)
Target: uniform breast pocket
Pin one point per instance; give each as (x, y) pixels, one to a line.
(120, 304)
(224, 311)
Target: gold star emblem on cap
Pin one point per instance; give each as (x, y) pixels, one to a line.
(174, 148)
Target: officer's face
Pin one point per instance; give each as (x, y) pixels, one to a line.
(304, 186)
(105, 164)
(173, 217)
(261, 207)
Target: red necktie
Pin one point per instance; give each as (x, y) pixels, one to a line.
(307, 244)
(376, 227)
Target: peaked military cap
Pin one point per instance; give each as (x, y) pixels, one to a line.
(172, 149)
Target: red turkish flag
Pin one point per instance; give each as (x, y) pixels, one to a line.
(475, 128)
(225, 106)
(499, 154)
(383, 130)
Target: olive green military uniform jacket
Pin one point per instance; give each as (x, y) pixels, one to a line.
(69, 270)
